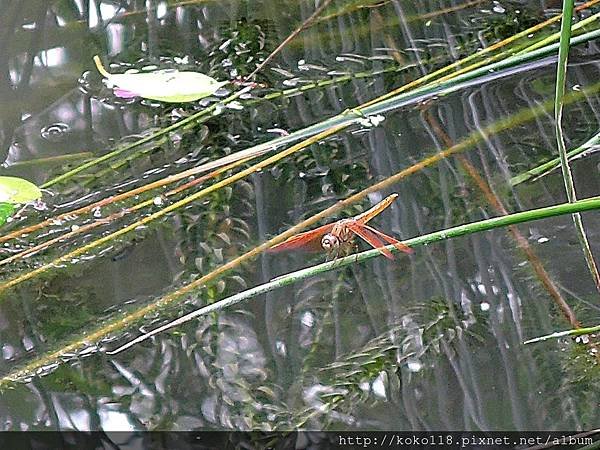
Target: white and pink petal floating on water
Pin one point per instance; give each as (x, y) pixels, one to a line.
(170, 86)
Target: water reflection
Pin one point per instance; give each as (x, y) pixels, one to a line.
(433, 343)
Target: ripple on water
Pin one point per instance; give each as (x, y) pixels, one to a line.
(54, 132)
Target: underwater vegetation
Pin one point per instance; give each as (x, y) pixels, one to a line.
(147, 195)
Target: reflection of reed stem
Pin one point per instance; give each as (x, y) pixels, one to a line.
(450, 68)
(544, 169)
(288, 39)
(521, 241)
(561, 80)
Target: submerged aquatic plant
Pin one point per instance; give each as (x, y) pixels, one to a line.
(205, 239)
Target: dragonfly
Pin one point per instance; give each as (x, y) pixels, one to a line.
(337, 238)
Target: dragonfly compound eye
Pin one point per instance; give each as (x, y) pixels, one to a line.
(329, 241)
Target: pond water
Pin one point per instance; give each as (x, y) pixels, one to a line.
(429, 341)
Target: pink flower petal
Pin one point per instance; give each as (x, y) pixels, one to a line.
(124, 93)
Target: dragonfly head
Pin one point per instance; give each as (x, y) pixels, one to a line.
(330, 242)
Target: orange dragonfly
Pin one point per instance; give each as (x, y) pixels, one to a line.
(337, 238)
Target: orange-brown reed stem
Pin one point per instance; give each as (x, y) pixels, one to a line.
(114, 216)
(230, 161)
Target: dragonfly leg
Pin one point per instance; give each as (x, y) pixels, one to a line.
(332, 255)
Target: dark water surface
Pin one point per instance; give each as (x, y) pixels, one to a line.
(426, 342)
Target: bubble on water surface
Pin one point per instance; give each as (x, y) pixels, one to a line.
(54, 132)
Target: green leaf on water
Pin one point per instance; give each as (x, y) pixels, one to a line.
(163, 85)
(15, 190)
(6, 210)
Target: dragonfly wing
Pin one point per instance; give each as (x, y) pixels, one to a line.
(308, 241)
(375, 210)
(399, 245)
(371, 238)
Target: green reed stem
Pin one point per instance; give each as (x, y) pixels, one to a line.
(95, 336)
(559, 334)
(449, 233)
(561, 76)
